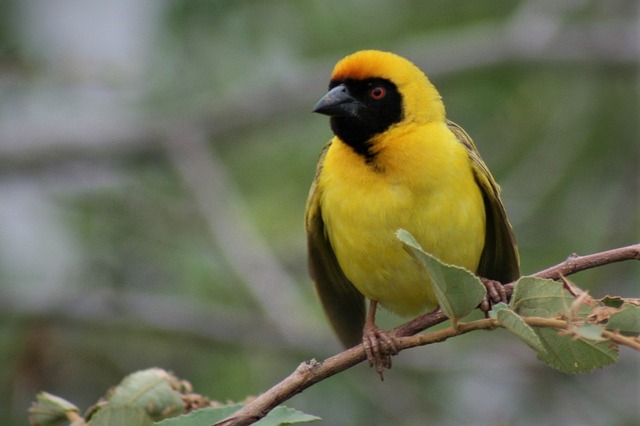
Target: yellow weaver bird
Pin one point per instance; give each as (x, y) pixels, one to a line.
(396, 162)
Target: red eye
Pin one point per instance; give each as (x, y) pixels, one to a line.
(377, 92)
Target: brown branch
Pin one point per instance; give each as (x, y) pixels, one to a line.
(632, 342)
(311, 372)
(575, 263)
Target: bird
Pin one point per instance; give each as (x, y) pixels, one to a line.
(396, 162)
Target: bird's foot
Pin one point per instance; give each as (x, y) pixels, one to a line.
(379, 346)
(495, 294)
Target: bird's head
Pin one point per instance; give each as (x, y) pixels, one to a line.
(370, 91)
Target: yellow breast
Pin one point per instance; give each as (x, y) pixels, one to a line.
(425, 185)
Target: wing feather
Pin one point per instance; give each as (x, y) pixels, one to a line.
(499, 260)
(342, 302)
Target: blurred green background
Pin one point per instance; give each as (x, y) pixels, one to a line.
(155, 158)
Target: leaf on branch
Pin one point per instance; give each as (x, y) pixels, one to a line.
(458, 291)
(203, 416)
(278, 416)
(121, 415)
(579, 349)
(155, 390)
(626, 321)
(51, 410)
(540, 297)
(588, 331)
(516, 325)
(574, 353)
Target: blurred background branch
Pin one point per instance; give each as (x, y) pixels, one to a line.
(273, 289)
(527, 36)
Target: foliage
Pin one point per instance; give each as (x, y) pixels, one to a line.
(458, 291)
(146, 398)
(567, 329)
(579, 346)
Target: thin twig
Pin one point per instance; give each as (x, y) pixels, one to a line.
(311, 372)
(462, 328)
(577, 263)
(632, 342)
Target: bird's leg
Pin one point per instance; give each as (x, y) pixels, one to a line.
(495, 294)
(378, 344)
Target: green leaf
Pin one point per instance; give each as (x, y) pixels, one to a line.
(119, 415)
(571, 354)
(286, 416)
(539, 297)
(207, 416)
(493, 313)
(627, 321)
(458, 291)
(154, 390)
(589, 331)
(50, 410)
(203, 416)
(516, 325)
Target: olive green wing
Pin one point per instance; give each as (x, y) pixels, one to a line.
(342, 302)
(500, 260)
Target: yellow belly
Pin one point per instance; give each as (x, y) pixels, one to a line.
(430, 193)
